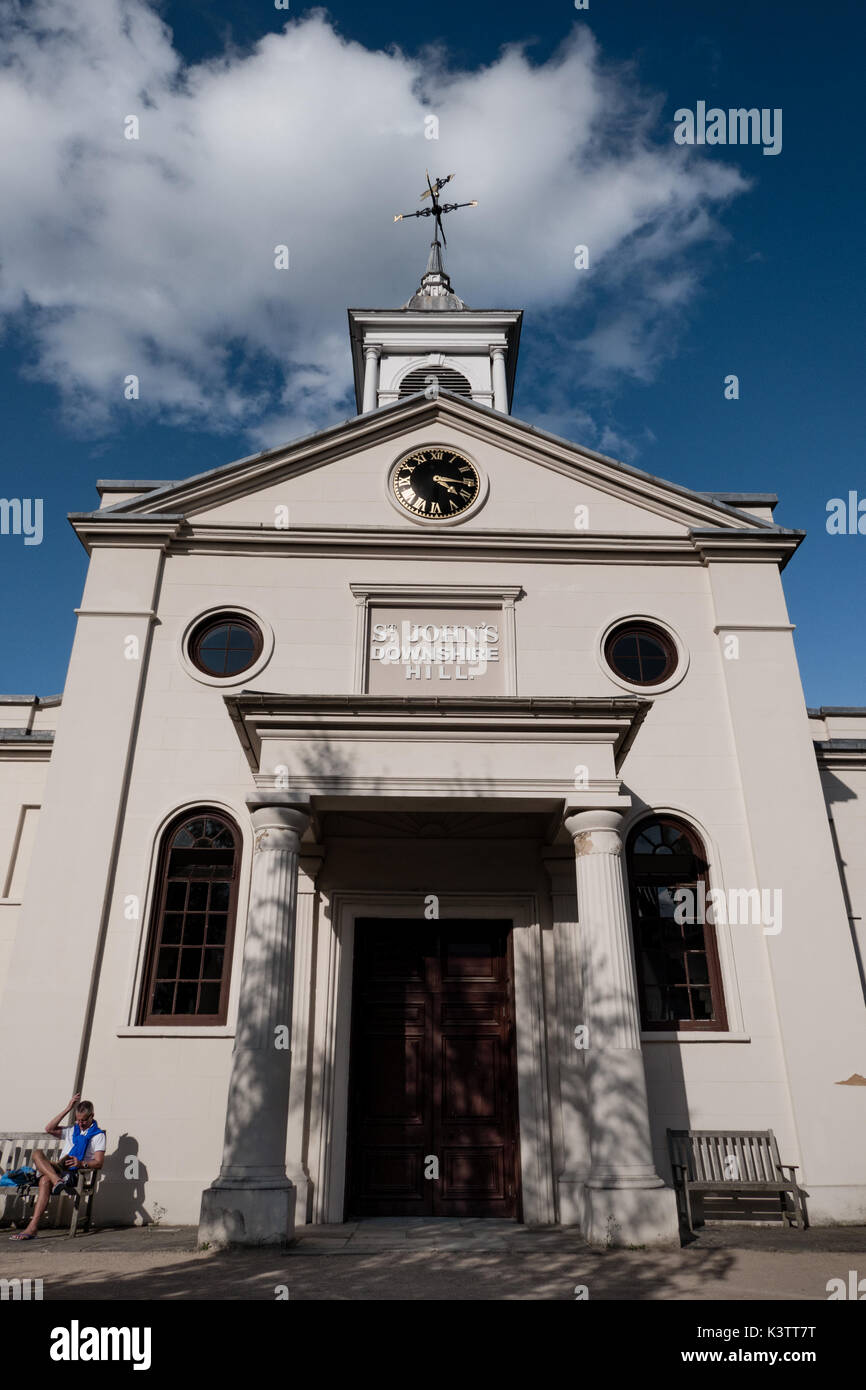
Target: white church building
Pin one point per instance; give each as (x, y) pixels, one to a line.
(431, 819)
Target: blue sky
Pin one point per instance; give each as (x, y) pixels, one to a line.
(708, 262)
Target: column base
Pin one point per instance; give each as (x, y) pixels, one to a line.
(630, 1216)
(232, 1215)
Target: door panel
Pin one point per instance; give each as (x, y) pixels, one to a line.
(432, 1070)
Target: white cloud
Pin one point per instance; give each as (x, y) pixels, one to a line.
(156, 256)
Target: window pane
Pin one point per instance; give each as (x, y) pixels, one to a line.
(626, 660)
(678, 1004)
(166, 968)
(188, 834)
(197, 897)
(213, 965)
(702, 1003)
(664, 967)
(162, 998)
(219, 897)
(216, 638)
(184, 1002)
(693, 936)
(190, 963)
(698, 972)
(653, 1000)
(653, 659)
(208, 999)
(216, 929)
(236, 661)
(193, 930)
(171, 929)
(175, 895)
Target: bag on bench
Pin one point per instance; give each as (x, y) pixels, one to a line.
(19, 1177)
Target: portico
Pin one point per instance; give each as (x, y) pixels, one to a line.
(431, 810)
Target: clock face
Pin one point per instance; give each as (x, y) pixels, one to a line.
(435, 483)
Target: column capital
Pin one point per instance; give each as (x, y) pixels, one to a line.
(278, 811)
(372, 349)
(595, 832)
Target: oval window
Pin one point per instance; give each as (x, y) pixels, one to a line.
(640, 653)
(225, 644)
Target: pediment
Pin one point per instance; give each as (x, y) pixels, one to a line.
(337, 479)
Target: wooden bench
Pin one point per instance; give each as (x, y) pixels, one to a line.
(16, 1151)
(730, 1162)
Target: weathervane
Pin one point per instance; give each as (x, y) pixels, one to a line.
(437, 209)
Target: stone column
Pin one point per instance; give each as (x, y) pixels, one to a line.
(571, 1059)
(302, 1028)
(626, 1201)
(371, 378)
(252, 1202)
(500, 385)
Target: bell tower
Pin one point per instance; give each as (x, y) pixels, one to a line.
(470, 352)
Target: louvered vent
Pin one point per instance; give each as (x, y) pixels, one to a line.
(449, 380)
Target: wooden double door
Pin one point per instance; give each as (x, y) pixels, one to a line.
(433, 1089)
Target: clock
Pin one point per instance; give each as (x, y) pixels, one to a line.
(435, 483)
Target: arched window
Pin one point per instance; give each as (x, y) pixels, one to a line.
(679, 980)
(192, 928)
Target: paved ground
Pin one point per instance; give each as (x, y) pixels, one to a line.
(437, 1260)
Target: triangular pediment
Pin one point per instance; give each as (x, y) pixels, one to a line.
(535, 483)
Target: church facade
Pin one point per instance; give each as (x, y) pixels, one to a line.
(432, 818)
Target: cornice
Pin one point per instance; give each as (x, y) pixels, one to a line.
(26, 745)
(122, 531)
(714, 546)
(841, 754)
(576, 547)
(260, 714)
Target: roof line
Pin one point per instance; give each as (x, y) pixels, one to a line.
(404, 405)
(40, 700)
(824, 710)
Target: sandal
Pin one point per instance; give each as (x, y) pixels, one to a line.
(22, 1235)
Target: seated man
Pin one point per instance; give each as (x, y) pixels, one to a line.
(83, 1147)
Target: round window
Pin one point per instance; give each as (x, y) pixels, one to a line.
(640, 654)
(225, 644)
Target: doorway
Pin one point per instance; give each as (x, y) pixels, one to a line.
(433, 1090)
